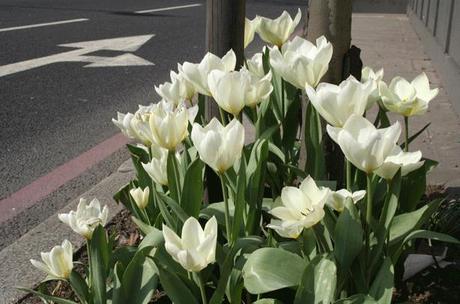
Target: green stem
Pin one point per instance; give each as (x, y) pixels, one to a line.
(172, 154)
(348, 169)
(283, 86)
(223, 116)
(406, 133)
(368, 225)
(147, 219)
(227, 209)
(202, 289)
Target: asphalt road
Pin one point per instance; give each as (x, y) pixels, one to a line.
(53, 113)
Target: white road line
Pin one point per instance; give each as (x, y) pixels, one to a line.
(6, 29)
(168, 8)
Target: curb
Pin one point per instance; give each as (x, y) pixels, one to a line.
(16, 269)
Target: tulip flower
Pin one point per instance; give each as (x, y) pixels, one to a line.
(123, 122)
(407, 161)
(374, 77)
(86, 218)
(197, 73)
(176, 91)
(218, 146)
(196, 248)
(157, 167)
(250, 27)
(140, 197)
(338, 198)
(168, 126)
(277, 31)
(300, 62)
(362, 144)
(337, 103)
(58, 263)
(407, 98)
(301, 208)
(236, 89)
(255, 65)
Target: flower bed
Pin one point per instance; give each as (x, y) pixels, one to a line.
(282, 233)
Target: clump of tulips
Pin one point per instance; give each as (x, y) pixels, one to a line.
(281, 233)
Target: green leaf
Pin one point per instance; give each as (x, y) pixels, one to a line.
(413, 137)
(145, 228)
(267, 301)
(357, 299)
(140, 278)
(153, 239)
(99, 262)
(318, 282)
(139, 156)
(414, 186)
(47, 297)
(79, 286)
(174, 179)
(316, 163)
(405, 223)
(192, 193)
(382, 287)
(242, 246)
(175, 288)
(348, 236)
(175, 207)
(240, 202)
(269, 269)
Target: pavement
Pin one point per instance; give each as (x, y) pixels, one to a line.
(386, 40)
(62, 81)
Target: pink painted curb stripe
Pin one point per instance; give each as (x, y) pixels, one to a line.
(44, 185)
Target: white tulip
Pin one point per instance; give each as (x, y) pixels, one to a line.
(197, 73)
(374, 77)
(196, 248)
(123, 122)
(58, 263)
(337, 103)
(303, 207)
(168, 126)
(407, 98)
(407, 161)
(255, 65)
(362, 144)
(277, 31)
(338, 198)
(157, 167)
(300, 62)
(141, 197)
(176, 91)
(250, 27)
(86, 218)
(218, 146)
(236, 89)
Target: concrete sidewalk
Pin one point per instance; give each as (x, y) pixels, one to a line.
(389, 41)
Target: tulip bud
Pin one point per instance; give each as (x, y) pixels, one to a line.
(219, 147)
(302, 207)
(255, 65)
(196, 248)
(338, 198)
(58, 263)
(141, 197)
(374, 78)
(86, 218)
(362, 144)
(176, 91)
(277, 31)
(250, 27)
(157, 167)
(300, 62)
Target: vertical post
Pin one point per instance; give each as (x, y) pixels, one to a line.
(224, 31)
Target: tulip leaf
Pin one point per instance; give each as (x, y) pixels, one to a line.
(174, 178)
(192, 193)
(414, 186)
(269, 269)
(414, 136)
(175, 288)
(240, 202)
(348, 236)
(382, 287)
(140, 278)
(268, 301)
(357, 299)
(318, 282)
(153, 239)
(404, 223)
(175, 207)
(79, 286)
(316, 163)
(46, 297)
(382, 120)
(99, 261)
(145, 228)
(139, 156)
